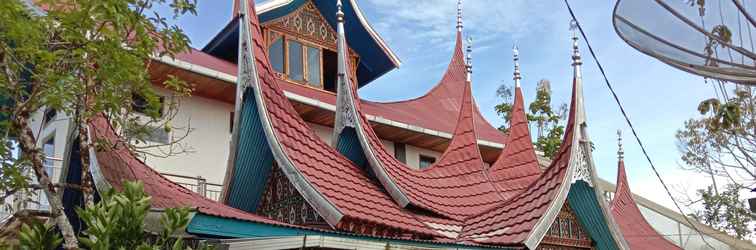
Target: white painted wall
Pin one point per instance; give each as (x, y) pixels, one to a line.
(413, 153)
(208, 139)
(56, 128)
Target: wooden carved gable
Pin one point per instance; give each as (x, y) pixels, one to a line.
(282, 202)
(306, 23)
(566, 233)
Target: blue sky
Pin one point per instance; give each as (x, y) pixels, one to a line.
(657, 97)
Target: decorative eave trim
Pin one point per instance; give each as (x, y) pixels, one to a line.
(310, 101)
(544, 223)
(605, 209)
(318, 201)
(101, 183)
(274, 4)
(580, 157)
(333, 242)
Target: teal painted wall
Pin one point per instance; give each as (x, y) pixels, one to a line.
(349, 146)
(584, 203)
(253, 159)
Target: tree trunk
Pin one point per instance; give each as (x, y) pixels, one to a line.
(86, 181)
(30, 149)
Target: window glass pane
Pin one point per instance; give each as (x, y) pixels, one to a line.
(426, 161)
(313, 66)
(276, 55)
(296, 61)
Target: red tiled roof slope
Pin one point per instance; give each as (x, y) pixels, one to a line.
(634, 227)
(117, 165)
(512, 222)
(456, 186)
(344, 185)
(517, 165)
(443, 100)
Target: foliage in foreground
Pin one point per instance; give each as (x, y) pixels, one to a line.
(724, 211)
(721, 143)
(117, 222)
(78, 60)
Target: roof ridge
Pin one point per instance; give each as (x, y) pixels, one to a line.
(629, 218)
(457, 62)
(518, 154)
(430, 188)
(464, 137)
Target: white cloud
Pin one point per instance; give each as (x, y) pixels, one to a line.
(432, 22)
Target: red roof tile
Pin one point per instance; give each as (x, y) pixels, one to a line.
(444, 99)
(343, 184)
(517, 165)
(634, 227)
(117, 165)
(513, 221)
(456, 185)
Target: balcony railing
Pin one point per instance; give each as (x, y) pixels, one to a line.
(36, 200)
(33, 200)
(198, 185)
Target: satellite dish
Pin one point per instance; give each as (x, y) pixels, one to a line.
(710, 38)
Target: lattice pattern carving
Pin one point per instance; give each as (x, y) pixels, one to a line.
(282, 202)
(307, 23)
(582, 170)
(565, 233)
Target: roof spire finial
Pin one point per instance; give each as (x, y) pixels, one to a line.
(339, 13)
(575, 51)
(459, 15)
(516, 57)
(469, 58)
(620, 150)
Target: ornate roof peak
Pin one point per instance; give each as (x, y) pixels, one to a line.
(459, 16)
(575, 50)
(620, 150)
(339, 13)
(469, 58)
(516, 58)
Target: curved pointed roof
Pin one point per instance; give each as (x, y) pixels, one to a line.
(516, 221)
(634, 227)
(116, 164)
(526, 217)
(445, 99)
(456, 186)
(339, 191)
(517, 165)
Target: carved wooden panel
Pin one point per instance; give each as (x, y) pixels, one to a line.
(566, 233)
(306, 23)
(282, 202)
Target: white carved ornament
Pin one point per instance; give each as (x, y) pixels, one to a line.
(582, 169)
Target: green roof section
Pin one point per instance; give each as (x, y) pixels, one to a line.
(254, 159)
(582, 199)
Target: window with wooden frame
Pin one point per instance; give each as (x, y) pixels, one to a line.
(297, 60)
(303, 61)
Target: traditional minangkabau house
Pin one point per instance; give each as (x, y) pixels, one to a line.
(293, 182)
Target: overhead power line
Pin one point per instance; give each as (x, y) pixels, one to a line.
(632, 128)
